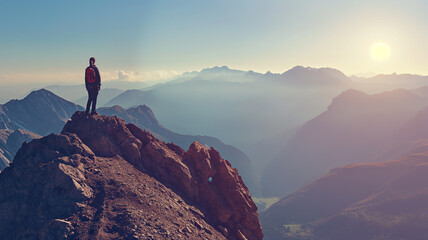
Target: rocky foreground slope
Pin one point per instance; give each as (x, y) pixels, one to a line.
(104, 179)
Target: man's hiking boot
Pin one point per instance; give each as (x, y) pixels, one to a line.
(94, 113)
(87, 112)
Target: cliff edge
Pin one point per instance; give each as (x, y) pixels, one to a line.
(104, 179)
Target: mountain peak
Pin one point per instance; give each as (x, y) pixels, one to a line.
(41, 94)
(352, 93)
(144, 108)
(216, 71)
(41, 112)
(309, 75)
(326, 70)
(221, 68)
(97, 156)
(41, 91)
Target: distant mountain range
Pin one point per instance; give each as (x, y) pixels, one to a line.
(376, 197)
(270, 103)
(258, 113)
(239, 107)
(388, 82)
(356, 127)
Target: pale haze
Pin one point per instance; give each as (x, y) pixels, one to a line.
(50, 41)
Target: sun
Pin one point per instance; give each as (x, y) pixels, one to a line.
(380, 51)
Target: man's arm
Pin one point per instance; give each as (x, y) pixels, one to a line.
(86, 80)
(97, 73)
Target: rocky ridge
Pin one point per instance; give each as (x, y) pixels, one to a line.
(144, 118)
(101, 178)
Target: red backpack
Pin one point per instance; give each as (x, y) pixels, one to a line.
(90, 75)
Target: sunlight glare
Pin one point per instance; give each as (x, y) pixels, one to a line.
(380, 51)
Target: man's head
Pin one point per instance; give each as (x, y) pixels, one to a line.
(92, 61)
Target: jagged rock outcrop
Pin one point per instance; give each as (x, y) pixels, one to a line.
(144, 118)
(104, 179)
(200, 174)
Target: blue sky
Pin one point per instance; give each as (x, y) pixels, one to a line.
(52, 40)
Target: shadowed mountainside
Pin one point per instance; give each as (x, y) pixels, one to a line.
(101, 178)
(384, 200)
(10, 142)
(40, 112)
(356, 127)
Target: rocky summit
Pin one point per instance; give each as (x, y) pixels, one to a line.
(104, 179)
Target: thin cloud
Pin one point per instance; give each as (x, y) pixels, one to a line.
(78, 78)
(123, 75)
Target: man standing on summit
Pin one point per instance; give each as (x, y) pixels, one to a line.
(93, 84)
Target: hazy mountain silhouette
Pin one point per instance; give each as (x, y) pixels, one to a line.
(108, 89)
(356, 127)
(422, 91)
(384, 200)
(388, 82)
(315, 77)
(411, 138)
(240, 107)
(105, 95)
(104, 179)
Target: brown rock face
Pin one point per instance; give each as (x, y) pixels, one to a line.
(200, 175)
(104, 179)
(58, 189)
(223, 193)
